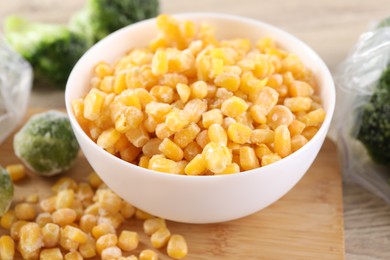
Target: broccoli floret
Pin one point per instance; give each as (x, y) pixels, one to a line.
(102, 17)
(52, 50)
(6, 191)
(374, 132)
(46, 143)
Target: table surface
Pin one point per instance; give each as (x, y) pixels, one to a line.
(330, 27)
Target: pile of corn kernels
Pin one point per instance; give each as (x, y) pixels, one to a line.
(191, 104)
(80, 221)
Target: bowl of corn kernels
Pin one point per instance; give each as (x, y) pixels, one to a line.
(201, 117)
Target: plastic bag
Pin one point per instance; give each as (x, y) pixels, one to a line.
(356, 79)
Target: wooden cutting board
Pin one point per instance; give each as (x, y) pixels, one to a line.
(307, 223)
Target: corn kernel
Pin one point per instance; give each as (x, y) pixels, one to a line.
(152, 147)
(314, 118)
(30, 241)
(148, 254)
(162, 165)
(217, 134)
(162, 93)
(279, 115)
(184, 92)
(282, 142)
(203, 138)
(137, 136)
(68, 244)
(262, 150)
(103, 69)
(112, 252)
(160, 63)
(297, 141)
(130, 153)
(15, 229)
(260, 136)
(269, 158)
(106, 241)
(191, 150)
(142, 215)
(239, 133)
(186, 135)
(296, 127)
(196, 166)
(194, 109)
(73, 256)
(7, 247)
(171, 150)
(199, 89)
(128, 240)
(51, 254)
(300, 89)
(108, 138)
(64, 183)
(231, 168)
(94, 180)
(216, 156)
(234, 106)
(309, 132)
(144, 161)
(16, 172)
(51, 235)
(93, 104)
(65, 199)
(8, 219)
(25, 211)
(210, 117)
(177, 247)
(160, 237)
(176, 120)
(75, 234)
(65, 216)
(227, 80)
(248, 159)
(88, 249)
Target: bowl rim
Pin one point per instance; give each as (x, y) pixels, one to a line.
(213, 15)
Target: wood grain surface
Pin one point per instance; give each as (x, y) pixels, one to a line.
(330, 27)
(307, 223)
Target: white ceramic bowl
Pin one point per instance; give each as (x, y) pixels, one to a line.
(199, 199)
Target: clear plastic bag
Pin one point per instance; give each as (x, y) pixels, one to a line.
(356, 79)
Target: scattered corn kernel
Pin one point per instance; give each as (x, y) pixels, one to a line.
(128, 240)
(7, 247)
(16, 172)
(160, 237)
(177, 247)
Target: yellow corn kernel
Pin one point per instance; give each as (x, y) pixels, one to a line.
(223, 93)
(191, 150)
(150, 124)
(172, 79)
(239, 133)
(151, 147)
(171, 150)
(87, 222)
(130, 153)
(231, 168)
(78, 110)
(248, 159)
(128, 240)
(210, 117)
(68, 244)
(73, 256)
(309, 132)
(260, 136)
(234, 147)
(51, 235)
(32, 198)
(184, 92)
(160, 237)
(113, 219)
(15, 229)
(269, 158)
(300, 89)
(163, 131)
(65, 216)
(93, 104)
(262, 150)
(88, 249)
(144, 161)
(196, 166)
(227, 80)
(186, 135)
(16, 172)
(8, 219)
(234, 106)
(296, 127)
(30, 241)
(105, 241)
(298, 104)
(152, 225)
(112, 252)
(250, 85)
(158, 110)
(94, 180)
(314, 118)
(64, 183)
(216, 156)
(297, 141)
(25, 211)
(49, 204)
(199, 89)
(194, 109)
(282, 142)
(65, 199)
(203, 138)
(267, 99)
(84, 191)
(7, 247)
(103, 69)
(162, 165)
(160, 63)
(108, 138)
(109, 201)
(51, 254)
(177, 247)
(162, 93)
(107, 84)
(119, 83)
(75, 234)
(279, 115)
(176, 120)
(217, 134)
(144, 96)
(148, 254)
(142, 215)
(137, 136)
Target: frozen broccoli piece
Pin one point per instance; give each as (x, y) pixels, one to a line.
(51, 49)
(374, 132)
(6, 191)
(46, 143)
(102, 17)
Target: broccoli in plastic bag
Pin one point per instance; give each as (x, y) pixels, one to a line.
(361, 124)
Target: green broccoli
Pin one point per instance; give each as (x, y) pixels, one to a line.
(374, 132)
(102, 17)
(6, 191)
(46, 143)
(52, 50)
